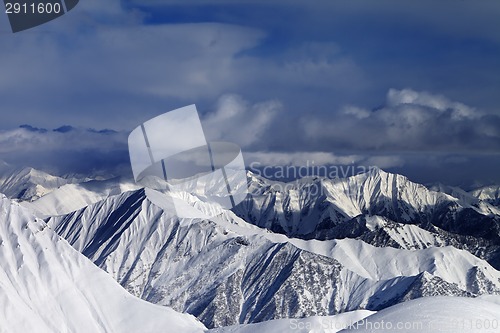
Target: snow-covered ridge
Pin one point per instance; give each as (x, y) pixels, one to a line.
(380, 208)
(365, 242)
(27, 183)
(307, 206)
(70, 197)
(226, 271)
(47, 286)
(490, 194)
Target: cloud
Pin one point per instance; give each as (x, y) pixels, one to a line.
(300, 158)
(66, 150)
(316, 64)
(409, 121)
(114, 65)
(385, 161)
(100, 62)
(238, 121)
(109, 64)
(30, 139)
(423, 135)
(69, 150)
(424, 99)
(318, 158)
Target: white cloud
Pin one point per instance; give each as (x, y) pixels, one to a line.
(25, 141)
(299, 158)
(236, 120)
(357, 112)
(410, 121)
(440, 103)
(76, 150)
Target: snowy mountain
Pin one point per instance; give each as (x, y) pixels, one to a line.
(226, 271)
(490, 194)
(27, 184)
(47, 286)
(314, 247)
(311, 207)
(70, 197)
(380, 208)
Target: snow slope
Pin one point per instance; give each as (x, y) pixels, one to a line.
(71, 197)
(435, 314)
(454, 266)
(47, 286)
(330, 324)
(430, 314)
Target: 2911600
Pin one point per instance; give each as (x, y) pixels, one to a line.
(40, 8)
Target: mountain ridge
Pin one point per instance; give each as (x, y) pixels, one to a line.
(290, 250)
(48, 287)
(149, 251)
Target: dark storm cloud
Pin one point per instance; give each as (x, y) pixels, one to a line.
(468, 171)
(66, 150)
(99, 66)
(445, 17)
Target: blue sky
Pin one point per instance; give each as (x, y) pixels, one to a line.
(411, 86)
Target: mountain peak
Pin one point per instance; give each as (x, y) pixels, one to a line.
(33, 129)
(64, 129)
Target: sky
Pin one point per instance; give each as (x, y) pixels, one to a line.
(409, 86)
